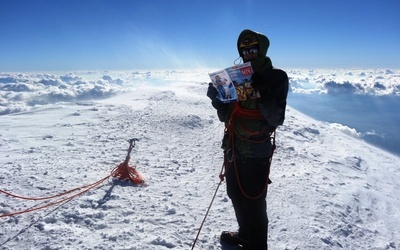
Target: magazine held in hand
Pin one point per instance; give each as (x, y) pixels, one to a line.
(234, 83)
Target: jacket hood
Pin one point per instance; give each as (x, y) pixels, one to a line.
(262, 62)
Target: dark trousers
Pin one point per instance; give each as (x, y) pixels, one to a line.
(248, 199)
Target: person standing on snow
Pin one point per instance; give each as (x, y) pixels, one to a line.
(247, 145)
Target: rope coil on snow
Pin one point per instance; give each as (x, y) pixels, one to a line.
(123, 172)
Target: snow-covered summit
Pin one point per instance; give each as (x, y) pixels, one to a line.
(329, 191)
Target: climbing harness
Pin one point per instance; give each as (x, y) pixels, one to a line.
(238, 114)
(229, 153)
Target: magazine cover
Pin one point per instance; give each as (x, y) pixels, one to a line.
(234, 83)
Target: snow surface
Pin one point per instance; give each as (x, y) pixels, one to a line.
(330, 190)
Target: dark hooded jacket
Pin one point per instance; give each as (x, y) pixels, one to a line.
(273, 86)
(262, 62)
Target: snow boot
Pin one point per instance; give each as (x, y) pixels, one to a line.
(233, 238)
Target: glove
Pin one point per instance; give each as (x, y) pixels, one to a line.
(212, 92)
(259, 81)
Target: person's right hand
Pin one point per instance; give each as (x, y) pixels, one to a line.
(212, 92)
(215, 102)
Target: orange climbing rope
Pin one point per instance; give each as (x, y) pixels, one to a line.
(123, 172)
(65, 199)
(126, 172)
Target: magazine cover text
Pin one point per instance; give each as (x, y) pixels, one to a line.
(234, 83)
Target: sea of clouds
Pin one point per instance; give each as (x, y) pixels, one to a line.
(361, 102)
(377, 82)
(23, 91)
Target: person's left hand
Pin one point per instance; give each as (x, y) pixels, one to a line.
(259, 81)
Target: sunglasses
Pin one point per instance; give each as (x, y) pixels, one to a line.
(252, 50)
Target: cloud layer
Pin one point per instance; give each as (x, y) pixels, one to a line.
(338, 82)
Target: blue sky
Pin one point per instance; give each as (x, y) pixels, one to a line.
(64, 35)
